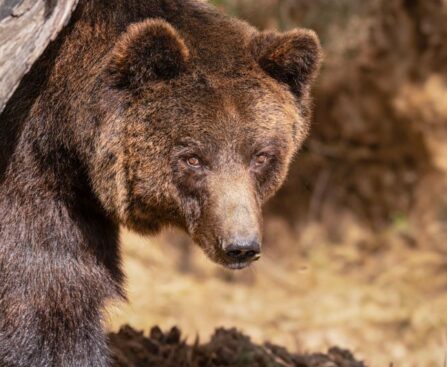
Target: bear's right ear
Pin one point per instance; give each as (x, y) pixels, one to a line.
(151, 50)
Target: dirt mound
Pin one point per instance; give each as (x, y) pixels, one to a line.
(227, 347)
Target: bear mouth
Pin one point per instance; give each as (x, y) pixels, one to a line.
(227, 263)
(238, 265)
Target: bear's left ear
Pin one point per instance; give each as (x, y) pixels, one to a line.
(151, 50)
(292, 57)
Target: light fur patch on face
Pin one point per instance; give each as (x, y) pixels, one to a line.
(230, 108)
(235, 205)
(300, 128)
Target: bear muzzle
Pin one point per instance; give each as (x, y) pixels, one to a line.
(236, 219)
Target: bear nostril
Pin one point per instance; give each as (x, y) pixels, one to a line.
(243, 252)
(234, 253)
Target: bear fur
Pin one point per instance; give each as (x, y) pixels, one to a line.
(142, 114)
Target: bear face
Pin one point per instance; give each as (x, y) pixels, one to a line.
(199, 146)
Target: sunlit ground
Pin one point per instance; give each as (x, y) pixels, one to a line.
(387, 306)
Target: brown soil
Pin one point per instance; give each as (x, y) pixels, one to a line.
(227, 347)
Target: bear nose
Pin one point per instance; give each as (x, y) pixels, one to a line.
(243, 251)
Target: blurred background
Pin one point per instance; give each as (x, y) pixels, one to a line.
(356, 240)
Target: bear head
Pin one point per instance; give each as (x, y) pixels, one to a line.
(201, 124)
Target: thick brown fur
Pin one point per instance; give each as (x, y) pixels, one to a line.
(144, 114)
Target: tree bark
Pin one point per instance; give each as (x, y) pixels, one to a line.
(26, 28)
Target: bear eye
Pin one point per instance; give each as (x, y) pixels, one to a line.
(261, 159)
(193, 162)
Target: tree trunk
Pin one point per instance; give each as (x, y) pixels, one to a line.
(26, 28)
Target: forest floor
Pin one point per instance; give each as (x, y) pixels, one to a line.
(386, 304)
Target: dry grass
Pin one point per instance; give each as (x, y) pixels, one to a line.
(388, 306)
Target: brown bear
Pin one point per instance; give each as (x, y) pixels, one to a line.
(143, 114)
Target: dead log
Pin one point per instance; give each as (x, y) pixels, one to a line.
(26, 28)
